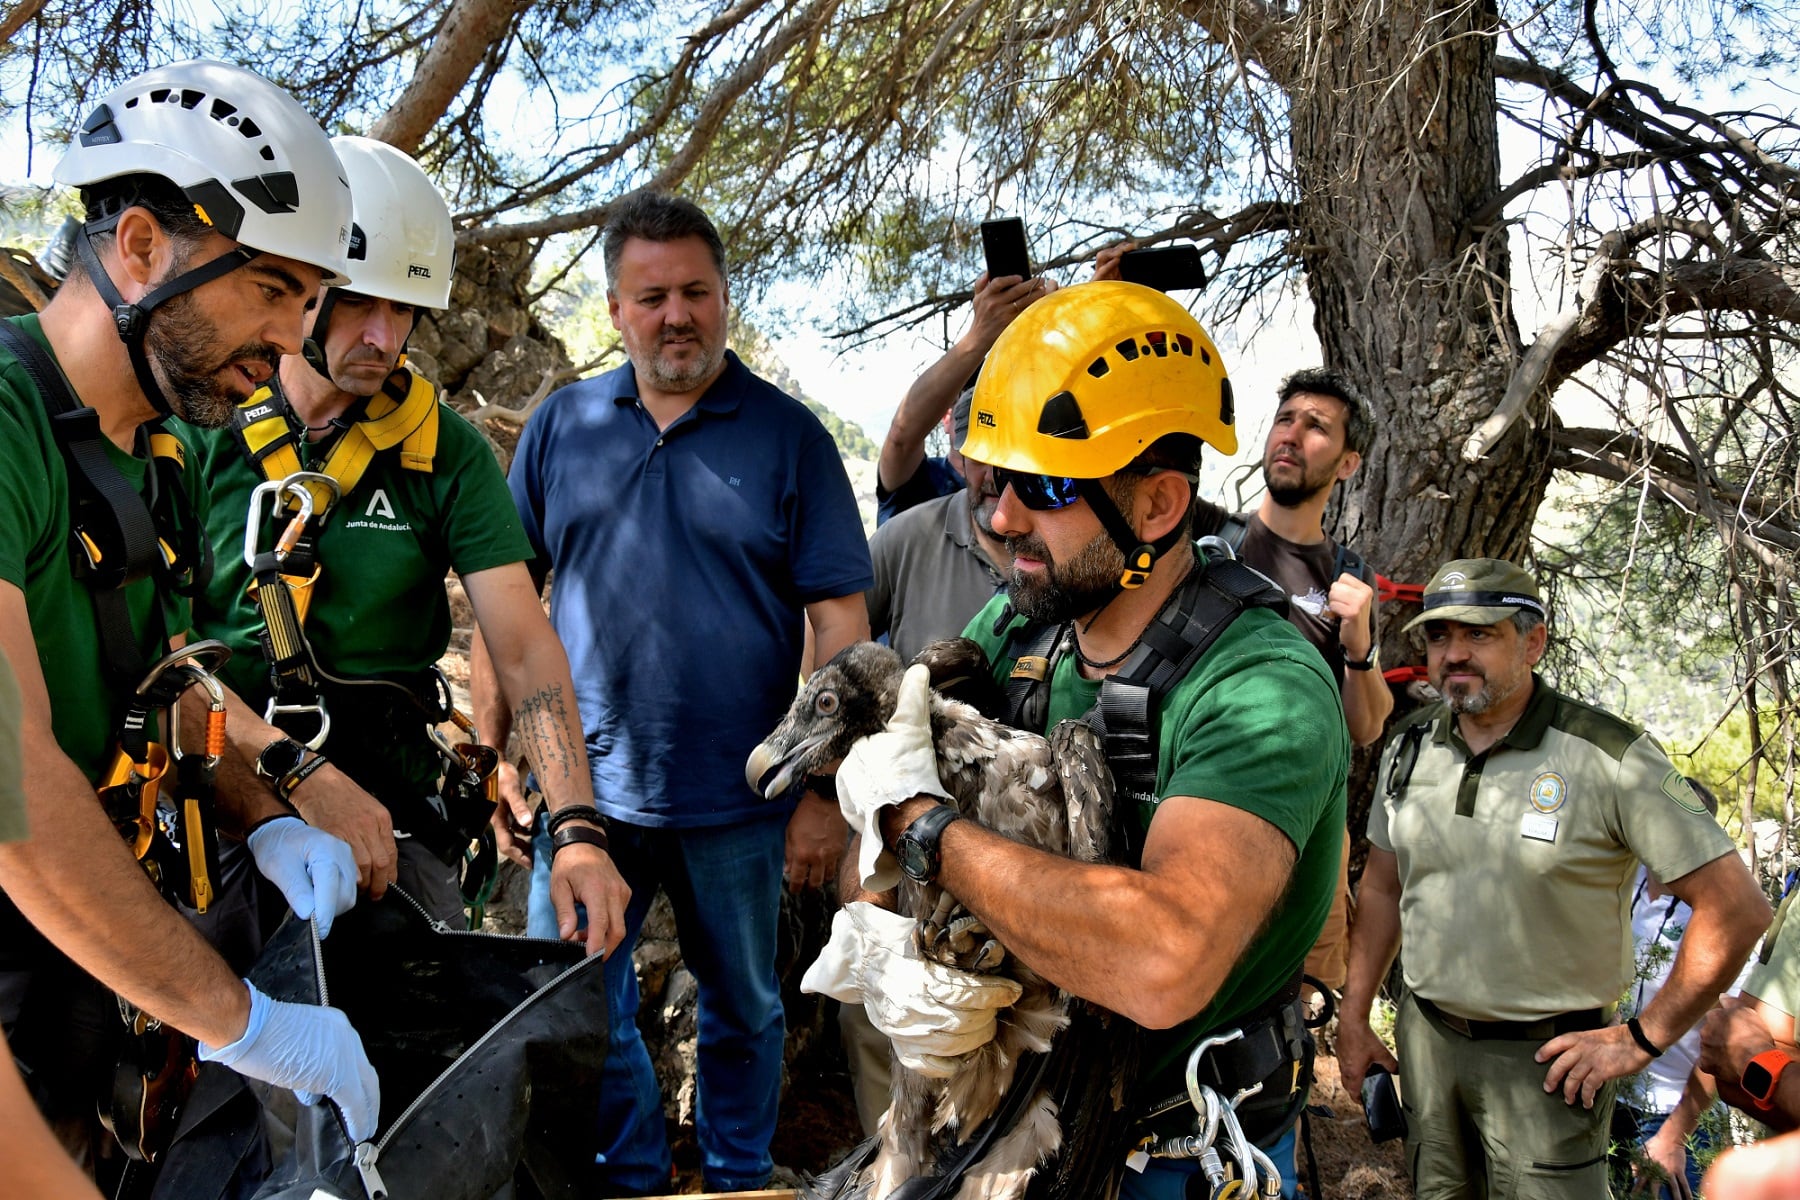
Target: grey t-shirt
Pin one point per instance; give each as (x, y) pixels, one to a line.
(930, 575)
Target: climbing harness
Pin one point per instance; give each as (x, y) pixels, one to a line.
(117, 536)
(1252, 1172)
(1208, 600)
(169, 823)
(176, 842)
(287, 512)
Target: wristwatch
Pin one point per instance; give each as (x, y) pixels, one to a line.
(1364, 664)
(1762, 1075)
(917, 848)
(279, 759)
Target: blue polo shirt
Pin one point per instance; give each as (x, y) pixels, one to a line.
(683, 560)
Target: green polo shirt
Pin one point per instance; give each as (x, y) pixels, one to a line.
(1775, 978)
(1256, 724)
(1516, 864)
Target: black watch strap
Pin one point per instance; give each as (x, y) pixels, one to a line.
(286, 785)
(1366, 663)
(918, 845)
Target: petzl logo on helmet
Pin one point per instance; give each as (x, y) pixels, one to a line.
(415, 271)
(985, 419)
(1548, 792)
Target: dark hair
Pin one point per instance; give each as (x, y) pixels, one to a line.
(173, 210)
(1359, 430)
(656, 217)
(1171, 452)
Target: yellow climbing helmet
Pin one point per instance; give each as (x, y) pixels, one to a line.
(1088, 377)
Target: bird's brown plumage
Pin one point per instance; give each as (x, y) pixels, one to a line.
(1053, 793)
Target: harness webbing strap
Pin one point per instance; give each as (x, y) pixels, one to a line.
(1211, 597)
(114, 538)
(403, 414)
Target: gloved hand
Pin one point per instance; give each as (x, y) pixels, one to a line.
(931, 1013)
(310, 1049)
(315, 871)
(886, 768)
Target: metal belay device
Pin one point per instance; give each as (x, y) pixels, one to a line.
(488, 1048)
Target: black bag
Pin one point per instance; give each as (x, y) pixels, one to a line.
(488, 1048)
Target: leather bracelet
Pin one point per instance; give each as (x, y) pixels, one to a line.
(1644, 1043)
(586, 835)
(574, 812)
(290, 782)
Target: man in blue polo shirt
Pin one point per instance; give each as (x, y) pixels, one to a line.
(692, 513)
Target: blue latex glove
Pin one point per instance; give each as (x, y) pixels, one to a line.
(315, 871)
(310, 1049)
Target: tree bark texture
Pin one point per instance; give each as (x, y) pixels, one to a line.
(1395, 145)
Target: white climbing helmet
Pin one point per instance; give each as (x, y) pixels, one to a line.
(402, 246)
(257, 167)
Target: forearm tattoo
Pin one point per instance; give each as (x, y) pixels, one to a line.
(542, 723)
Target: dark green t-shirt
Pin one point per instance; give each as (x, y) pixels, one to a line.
(1256, 724)
(34, 557)
(379, 607)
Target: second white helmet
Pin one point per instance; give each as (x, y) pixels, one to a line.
(402, 246)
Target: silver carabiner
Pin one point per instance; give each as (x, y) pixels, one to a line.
(297, 486)
(317, 709)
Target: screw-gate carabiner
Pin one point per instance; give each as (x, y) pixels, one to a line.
(299, 485)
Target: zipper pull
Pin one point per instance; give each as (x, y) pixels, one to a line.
(366, 1154)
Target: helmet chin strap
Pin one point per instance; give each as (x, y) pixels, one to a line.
(312, 349)
(133, 320)
(1140, 556)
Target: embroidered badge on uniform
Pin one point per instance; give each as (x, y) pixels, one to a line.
(1676, 787)
(1548, 791)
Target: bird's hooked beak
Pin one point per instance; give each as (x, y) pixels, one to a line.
(770, 773)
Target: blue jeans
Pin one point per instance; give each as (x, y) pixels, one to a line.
(1648, 1123)
(725, 887)
(1167, 1178)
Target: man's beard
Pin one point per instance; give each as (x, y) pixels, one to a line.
(1294, 494)
(667, 376)
(981, 511)
(1063, 591)
(179, 342)
(1482, 698)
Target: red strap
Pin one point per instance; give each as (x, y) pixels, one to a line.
(1387, 590)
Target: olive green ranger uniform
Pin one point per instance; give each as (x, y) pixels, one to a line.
(1775, 976)
(1515, 870)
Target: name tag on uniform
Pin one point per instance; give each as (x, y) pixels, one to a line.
(1541, 826)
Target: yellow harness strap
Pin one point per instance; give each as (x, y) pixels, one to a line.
(404, 414)
(137, 786)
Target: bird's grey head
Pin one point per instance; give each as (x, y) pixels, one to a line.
(849, 697)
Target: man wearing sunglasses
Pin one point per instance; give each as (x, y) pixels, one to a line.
(1091, 413)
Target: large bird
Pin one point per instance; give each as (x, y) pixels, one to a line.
(1037, 1095)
